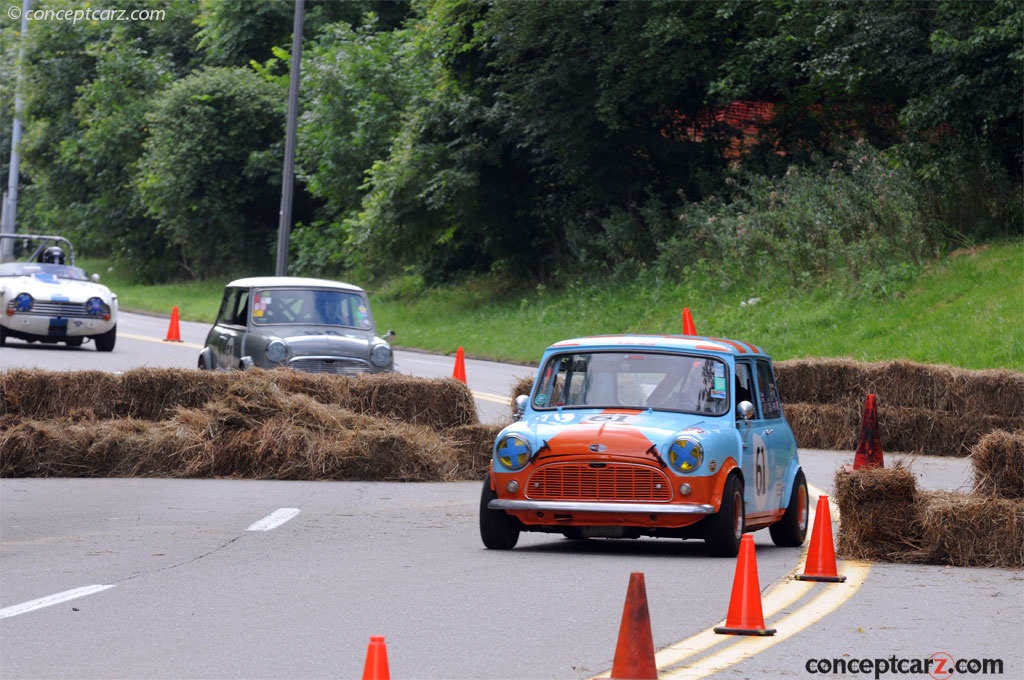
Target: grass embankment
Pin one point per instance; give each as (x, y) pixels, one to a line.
(966, 310)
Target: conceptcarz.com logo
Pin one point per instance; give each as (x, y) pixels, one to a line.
(939, 666)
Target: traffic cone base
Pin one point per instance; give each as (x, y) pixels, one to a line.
(173, 332)
(634, 652)
(745, 614)
(376, 667)
(821, 554)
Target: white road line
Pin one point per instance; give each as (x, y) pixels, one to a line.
(147, 338)
(274, 519)
(50, 600)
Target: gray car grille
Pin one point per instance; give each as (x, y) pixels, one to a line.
(67, 310)
(328, 365)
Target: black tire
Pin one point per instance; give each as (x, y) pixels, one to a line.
(105, 342)
(791, 530)
(724, 529)
(3, 336)
(497, 530)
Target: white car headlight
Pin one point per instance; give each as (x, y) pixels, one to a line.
(380, 355)
(277, 351)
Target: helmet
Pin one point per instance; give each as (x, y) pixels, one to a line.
(52, 255)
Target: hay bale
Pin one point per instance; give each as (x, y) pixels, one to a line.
(998, 462)
(471, 446)
(40, 394)
(48, 448)
(970, 531)
(879, 516)
(155, 393)
(963, 392)
(439, 403)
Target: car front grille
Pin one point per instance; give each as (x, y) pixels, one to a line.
(329, 365)
(599, 482)
(65, 310)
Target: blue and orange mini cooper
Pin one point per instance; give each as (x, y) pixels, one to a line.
(641, 435)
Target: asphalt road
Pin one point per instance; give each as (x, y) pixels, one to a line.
(164, 578)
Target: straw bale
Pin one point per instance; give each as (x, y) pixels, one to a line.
(155, 393)
(904, 383)
(471, 446)
(901, 429)
(438, 403)
(46, 448)
(998, 462)
(970, 531)
(879, 514)
(41, 394)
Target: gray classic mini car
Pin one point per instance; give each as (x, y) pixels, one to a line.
(310, 325)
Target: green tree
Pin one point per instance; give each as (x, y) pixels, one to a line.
(210, 174)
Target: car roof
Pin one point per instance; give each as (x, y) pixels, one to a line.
(291, 282)
(664, 342)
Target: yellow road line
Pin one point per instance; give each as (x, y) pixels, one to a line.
(494, 398)
(146, 338)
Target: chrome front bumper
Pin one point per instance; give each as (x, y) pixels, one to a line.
(576, 506)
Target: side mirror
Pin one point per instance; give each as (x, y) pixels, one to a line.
(390, 334)
(745, 410)
(95, 278)
(521, 401)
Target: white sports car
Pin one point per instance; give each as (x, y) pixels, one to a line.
(46, 298)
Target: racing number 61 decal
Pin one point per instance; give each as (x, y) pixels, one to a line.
(760, 473)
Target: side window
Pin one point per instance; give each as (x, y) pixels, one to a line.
(226, 315)
(241, 307)
(767, 392)
(745, 384)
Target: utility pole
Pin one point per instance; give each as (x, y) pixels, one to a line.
(284, 226)
(10, 203)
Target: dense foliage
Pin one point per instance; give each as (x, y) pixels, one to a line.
(444, 137)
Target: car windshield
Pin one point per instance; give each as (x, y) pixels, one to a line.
(310, 307)
(43, 271)
(640, 380)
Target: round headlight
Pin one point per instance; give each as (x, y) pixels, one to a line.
(22, 303)
(685, 454)
(94, 306)
(380, 355)
(277, 350)
(513, 452)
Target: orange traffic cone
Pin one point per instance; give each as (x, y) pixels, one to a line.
(634, 653)
(376, 667)
(460, 366)
(173, 334)
(688, 327)
(869, 446)
(821, 554)
(745, 614)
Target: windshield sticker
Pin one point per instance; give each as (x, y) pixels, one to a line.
(364, 317)
(259, 305)
(540, 399)
(719, 391)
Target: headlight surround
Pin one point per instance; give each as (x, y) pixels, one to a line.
(380, 356)
(277, 350)
(685, 455)
(512, 451)
(21, 303)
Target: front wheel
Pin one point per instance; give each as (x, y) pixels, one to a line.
(724, 529)
(791, 530)
(497, 530)
(105, 342)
